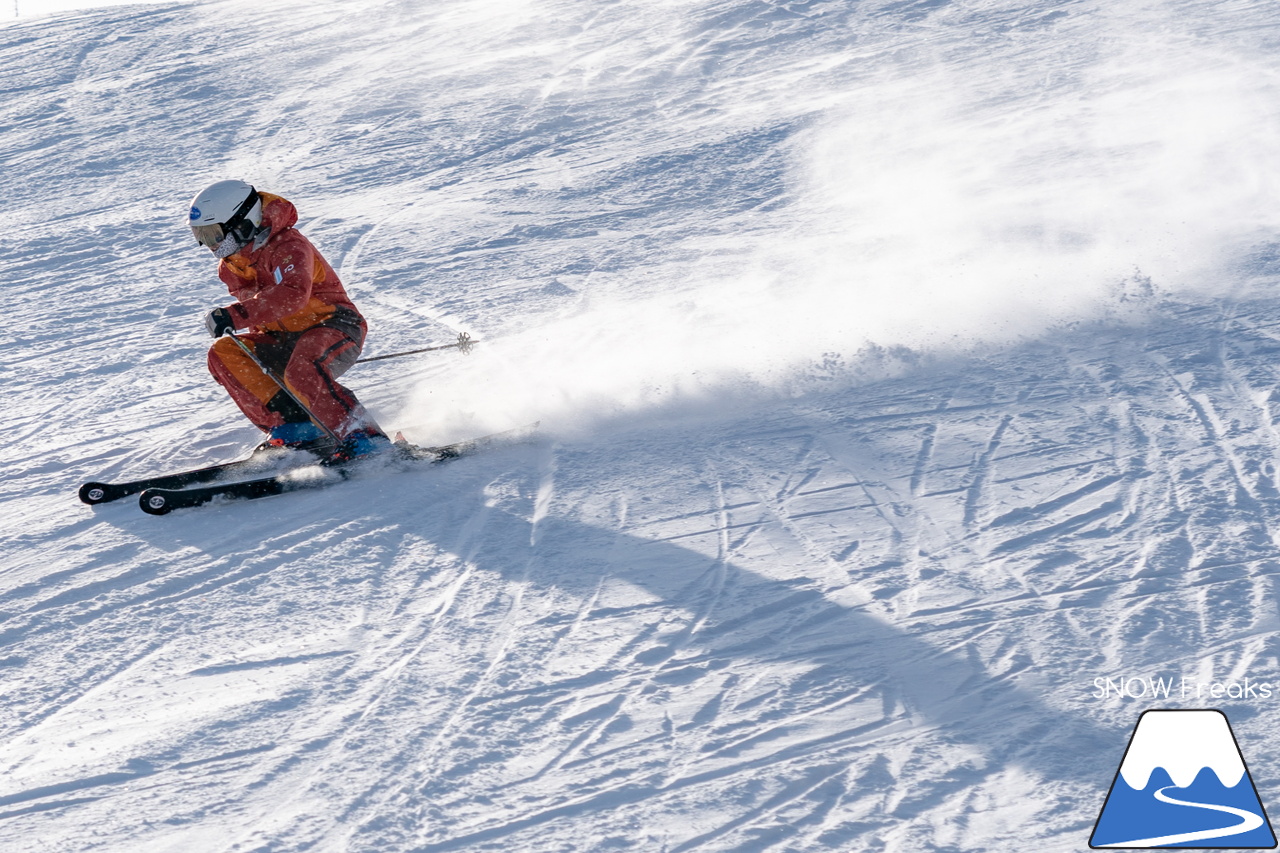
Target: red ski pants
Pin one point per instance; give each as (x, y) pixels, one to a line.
(310, 363)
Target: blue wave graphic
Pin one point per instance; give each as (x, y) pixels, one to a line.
(1205, 814)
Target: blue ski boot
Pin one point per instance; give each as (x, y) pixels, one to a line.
(297, 436)
(361, 444)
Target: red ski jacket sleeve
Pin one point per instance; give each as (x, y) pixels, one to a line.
(285, 285)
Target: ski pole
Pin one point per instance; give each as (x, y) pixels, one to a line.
(270, 374)
(463, 344)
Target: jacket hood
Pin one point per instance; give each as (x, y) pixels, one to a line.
(278, 213)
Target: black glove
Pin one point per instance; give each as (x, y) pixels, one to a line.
(219, 322)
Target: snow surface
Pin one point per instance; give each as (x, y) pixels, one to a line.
(40, 8)
(904, 369)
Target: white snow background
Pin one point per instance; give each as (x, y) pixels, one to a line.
(902, 368)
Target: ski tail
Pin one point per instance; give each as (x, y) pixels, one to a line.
(471, 445)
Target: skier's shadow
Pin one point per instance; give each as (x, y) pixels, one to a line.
(902, 682)
(873, 683)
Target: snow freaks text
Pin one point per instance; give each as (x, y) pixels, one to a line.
(1147, 687)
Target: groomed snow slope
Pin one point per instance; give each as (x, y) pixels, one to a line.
(903, 368)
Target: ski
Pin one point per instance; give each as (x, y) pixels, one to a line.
(161, 500)
(262, 458)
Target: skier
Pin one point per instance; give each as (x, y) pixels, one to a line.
(300, 324)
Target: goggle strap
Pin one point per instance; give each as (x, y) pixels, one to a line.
(233, 224)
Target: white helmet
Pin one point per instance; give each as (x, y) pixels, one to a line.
(225, 216)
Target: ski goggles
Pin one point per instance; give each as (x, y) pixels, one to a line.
(220, 241)
(208, 236)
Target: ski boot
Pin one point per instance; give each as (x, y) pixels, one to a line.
(296, 435)
(360, 444)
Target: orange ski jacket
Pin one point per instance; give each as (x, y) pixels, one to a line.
(286, 285)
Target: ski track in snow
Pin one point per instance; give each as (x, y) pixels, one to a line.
(858, 604)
